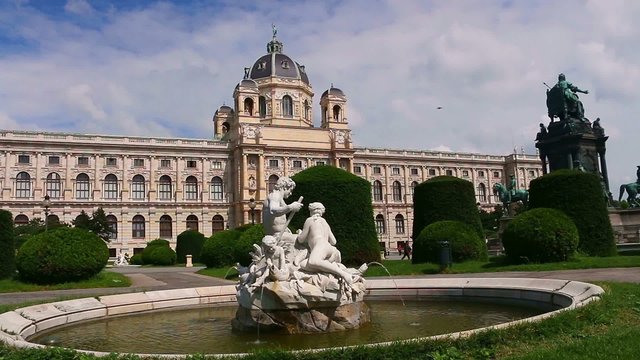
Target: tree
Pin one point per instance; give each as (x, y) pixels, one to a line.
(83, 221)
(97, 223)
(7, 249)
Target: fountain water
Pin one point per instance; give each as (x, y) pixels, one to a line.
(391, 277)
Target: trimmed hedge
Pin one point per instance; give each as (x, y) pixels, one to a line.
(7, 245)
(136, 259)
(189, 242)
(244, 245)
(579, 195)
(218, 250)
(163, 255)
(147, 259)
(349, 212)
(61, 255)
(464, 242)
(540, 235)
(445, 198)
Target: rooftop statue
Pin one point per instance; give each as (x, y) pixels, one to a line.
(563, 101)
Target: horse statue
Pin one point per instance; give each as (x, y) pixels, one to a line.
(506, 197)
(632, 193)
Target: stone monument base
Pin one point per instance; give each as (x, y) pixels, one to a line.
(303, 321)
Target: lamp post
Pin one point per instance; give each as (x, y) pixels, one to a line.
(46, 203)
(252, 206)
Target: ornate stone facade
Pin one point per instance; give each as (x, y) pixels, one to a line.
(158, 187)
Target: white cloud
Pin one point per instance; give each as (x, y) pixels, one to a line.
(163, 69)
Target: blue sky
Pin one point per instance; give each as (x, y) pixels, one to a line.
(162, 68)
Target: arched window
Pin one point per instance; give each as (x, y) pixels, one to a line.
(110, 187)
(273, 179)
(112, 224)
(307, 110)
(53, 220)
(399, 224)
(380, 228)
(217, 223)
(413, 187)
(287, 106)
(377, 191)
(23, 185)
(217, 190)
(166, 227)
(397, 191)
(82, 186)
(225, 127)
(482, 192)
(164, 188)
(138, 227)
(248, 106)
(192, 222)
(53, 185)
(138, 188)
(262, 104)
(336, 113)
(191, 188)
(21, 219)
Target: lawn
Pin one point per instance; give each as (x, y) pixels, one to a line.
(104, 279)
(497, 264)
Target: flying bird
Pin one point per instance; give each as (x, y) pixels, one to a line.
(439, 107)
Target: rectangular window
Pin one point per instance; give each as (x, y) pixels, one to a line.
(111, 161)
(83, 161)
(320, 163)
(192, 164)
(297, 164)
(216, 165)
(377, 170)
(414, 171)
(395, 171)
(357, 169)
(24, 159)
(449, 172)
(532, 173)
(480, 174)
(273, 163)
(138, 162)
(432, 172)
(165, 163)
(54, 160)
(465, 172)
(496, 174)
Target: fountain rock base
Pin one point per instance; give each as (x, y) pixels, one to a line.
(303, 321)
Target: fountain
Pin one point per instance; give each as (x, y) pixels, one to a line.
(296, 283)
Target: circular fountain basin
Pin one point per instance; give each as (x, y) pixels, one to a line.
(548, 296)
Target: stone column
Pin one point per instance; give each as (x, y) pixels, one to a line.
(153, 195)
(68, 181)
(39, 189)
(97, 189)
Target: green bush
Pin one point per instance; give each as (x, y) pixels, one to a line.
(540, 235)
(349, 212)
(136, 259)
(241, 247)
(163, 255)
(218, 250)
(189, 242)
(579, 195)
(464, 242)
(445, 198)
(61, 255)
(148, 250)
(7, 245)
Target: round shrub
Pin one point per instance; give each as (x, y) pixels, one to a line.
(540, 235)
(445, 198)
(163, 255)
(218, 250)
(244, 245)
(580, 196)
(464, 242)
(349, 212)
(7, 245)
(61, 255)
(189, 242)
(136, 259)
(151, 245)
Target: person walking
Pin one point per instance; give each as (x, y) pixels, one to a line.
(407, 252)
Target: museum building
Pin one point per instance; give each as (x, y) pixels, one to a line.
(153, 187)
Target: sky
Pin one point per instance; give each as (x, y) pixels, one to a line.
(456, 75)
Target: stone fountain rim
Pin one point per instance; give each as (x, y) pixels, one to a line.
(18, 325)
